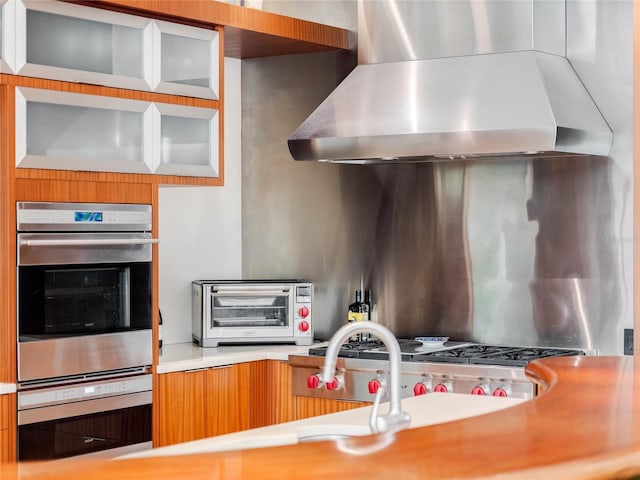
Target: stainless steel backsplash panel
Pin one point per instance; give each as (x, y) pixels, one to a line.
(536, 252)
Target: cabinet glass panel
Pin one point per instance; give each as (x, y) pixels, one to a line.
(80, 132)
(178, 67)
(77, 43)
(186, 60)
(188, 141)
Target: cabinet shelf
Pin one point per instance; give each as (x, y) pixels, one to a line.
(249, 32)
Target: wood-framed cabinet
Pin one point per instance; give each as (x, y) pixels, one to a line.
(202, 403)
(7, 430)
(206, 402)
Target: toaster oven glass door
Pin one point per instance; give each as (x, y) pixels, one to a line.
(248, 309)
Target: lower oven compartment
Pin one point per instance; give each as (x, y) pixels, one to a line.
(106, 417)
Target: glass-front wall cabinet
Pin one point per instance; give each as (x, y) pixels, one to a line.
(69, 131)
(72, 131)
(188, 141)
(186, 60)
(77, 43)
(74, 43)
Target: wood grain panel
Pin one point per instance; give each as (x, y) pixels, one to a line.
(285, 402)
(182, 406)
(271, 399)
(7, 241)
(8, 428)
(250, 32)
(227, 399)
(310, 407)
(82, 191)
(46, 84)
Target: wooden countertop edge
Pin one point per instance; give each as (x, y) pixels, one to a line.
(586, 424)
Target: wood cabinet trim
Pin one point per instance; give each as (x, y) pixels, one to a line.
(251, 32)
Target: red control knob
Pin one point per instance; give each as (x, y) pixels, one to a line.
(374, 386)
(303, 326)
(441, 387)
(420, 389)
(333, 384)
(500, 392)
(479, 390)
(313, 381)
(303, 312)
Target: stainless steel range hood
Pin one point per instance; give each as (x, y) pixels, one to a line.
(510, 103)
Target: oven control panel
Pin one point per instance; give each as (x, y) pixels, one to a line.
(47, 216)
(39, 397)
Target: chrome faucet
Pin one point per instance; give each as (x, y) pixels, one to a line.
(396, 419)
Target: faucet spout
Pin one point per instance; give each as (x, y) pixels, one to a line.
(395, 419)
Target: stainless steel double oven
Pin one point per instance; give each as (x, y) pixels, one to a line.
(84, 278)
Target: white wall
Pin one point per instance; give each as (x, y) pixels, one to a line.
(200, 227)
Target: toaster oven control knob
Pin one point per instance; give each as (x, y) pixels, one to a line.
(441, 387)
(421, 388)
(502, 392)
(479, 390)
(374, 386)
(303, 326)
(334, 384)
(303, 312)
(314, 381)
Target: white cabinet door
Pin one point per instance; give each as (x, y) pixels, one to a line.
(75, 43)
(68, 131)
(7, 36)
(185, 60)
(187, 141)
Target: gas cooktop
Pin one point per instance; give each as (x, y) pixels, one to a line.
(450, 352)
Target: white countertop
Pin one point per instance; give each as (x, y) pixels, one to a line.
(188, 356)
(6, 388)
(424, 410)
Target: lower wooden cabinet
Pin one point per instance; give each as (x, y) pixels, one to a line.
(7, 428)
(202, 403)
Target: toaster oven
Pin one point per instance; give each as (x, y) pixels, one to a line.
(242, 311)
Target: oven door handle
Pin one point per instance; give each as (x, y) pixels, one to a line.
(88, 242)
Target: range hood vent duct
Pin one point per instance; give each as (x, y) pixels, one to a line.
(515, 104)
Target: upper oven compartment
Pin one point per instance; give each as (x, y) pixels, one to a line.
(85, 288)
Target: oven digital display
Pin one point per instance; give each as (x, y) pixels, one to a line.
(87, 216)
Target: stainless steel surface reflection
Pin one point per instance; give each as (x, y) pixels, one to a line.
(508, 252)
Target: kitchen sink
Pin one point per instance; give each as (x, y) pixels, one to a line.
(316, 433)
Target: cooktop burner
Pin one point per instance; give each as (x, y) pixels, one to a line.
(495, 355)
(450, 352)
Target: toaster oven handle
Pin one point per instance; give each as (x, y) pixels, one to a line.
(248, 293)
(88, 242)
(249, 289)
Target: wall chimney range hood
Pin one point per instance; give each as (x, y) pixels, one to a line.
(479, 99)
